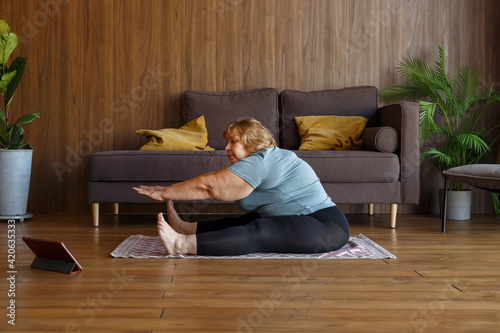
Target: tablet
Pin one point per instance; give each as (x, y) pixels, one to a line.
(52, 256)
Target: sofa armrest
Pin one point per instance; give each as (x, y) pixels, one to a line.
(404, 117)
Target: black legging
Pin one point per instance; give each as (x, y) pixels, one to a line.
(322, 231)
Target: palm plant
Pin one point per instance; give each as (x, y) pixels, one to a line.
(453, 139)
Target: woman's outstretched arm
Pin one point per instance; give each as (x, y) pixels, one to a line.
(219, 185)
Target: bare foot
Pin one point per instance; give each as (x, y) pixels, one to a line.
(174, 242)
(179, 225)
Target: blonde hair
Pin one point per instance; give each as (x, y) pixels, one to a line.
(254, 135)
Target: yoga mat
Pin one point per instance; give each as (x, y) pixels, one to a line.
(358, 247)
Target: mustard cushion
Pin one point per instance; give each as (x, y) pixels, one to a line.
(192, 136)
(330, 132)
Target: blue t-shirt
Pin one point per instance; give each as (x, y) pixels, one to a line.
(283, 184)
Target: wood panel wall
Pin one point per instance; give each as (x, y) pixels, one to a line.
(100, 69)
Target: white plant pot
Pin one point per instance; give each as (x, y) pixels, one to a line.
(15, 174)
(459, 203)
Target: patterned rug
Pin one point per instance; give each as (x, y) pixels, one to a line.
(358, 247)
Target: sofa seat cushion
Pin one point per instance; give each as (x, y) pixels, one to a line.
(153, 166)
(352, 166)
(174, 166)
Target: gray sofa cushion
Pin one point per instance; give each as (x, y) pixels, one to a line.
(220, 109)
(355, 101)
(174, 166)
(153, 166)
(352, 166)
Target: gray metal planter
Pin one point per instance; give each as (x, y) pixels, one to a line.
(459, 204)
(15, 174)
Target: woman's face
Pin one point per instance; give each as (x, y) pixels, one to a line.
(235, 149)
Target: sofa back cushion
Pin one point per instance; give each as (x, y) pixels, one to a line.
(354, 101)
(221, 108)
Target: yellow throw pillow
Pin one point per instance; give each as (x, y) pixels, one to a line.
(330, 132)
(192, 136)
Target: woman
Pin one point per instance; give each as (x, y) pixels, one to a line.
(289, 211)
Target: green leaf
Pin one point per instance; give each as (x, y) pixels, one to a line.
(418, 82)
(4, 27)
(444, 160)
(472, 141)
(467, 86)
(19, 66)
(25, 146)
(496, 203)
(5, 81)
(2, 117)
(15, 146)
(3, 137)
(8, 43)
(3, 129)
(15, 137)
(427, 124)
(28, 118)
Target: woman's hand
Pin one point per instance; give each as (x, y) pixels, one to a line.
(153, 192)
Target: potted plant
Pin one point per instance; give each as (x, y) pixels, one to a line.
(15, 155)
(450, 108)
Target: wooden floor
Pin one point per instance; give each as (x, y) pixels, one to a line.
(438, 283)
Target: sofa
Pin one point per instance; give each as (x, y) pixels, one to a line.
(384, 171)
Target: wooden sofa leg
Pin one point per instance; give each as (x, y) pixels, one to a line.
(370, 209)
(116, 208)
(95, 214)
(394, 212)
